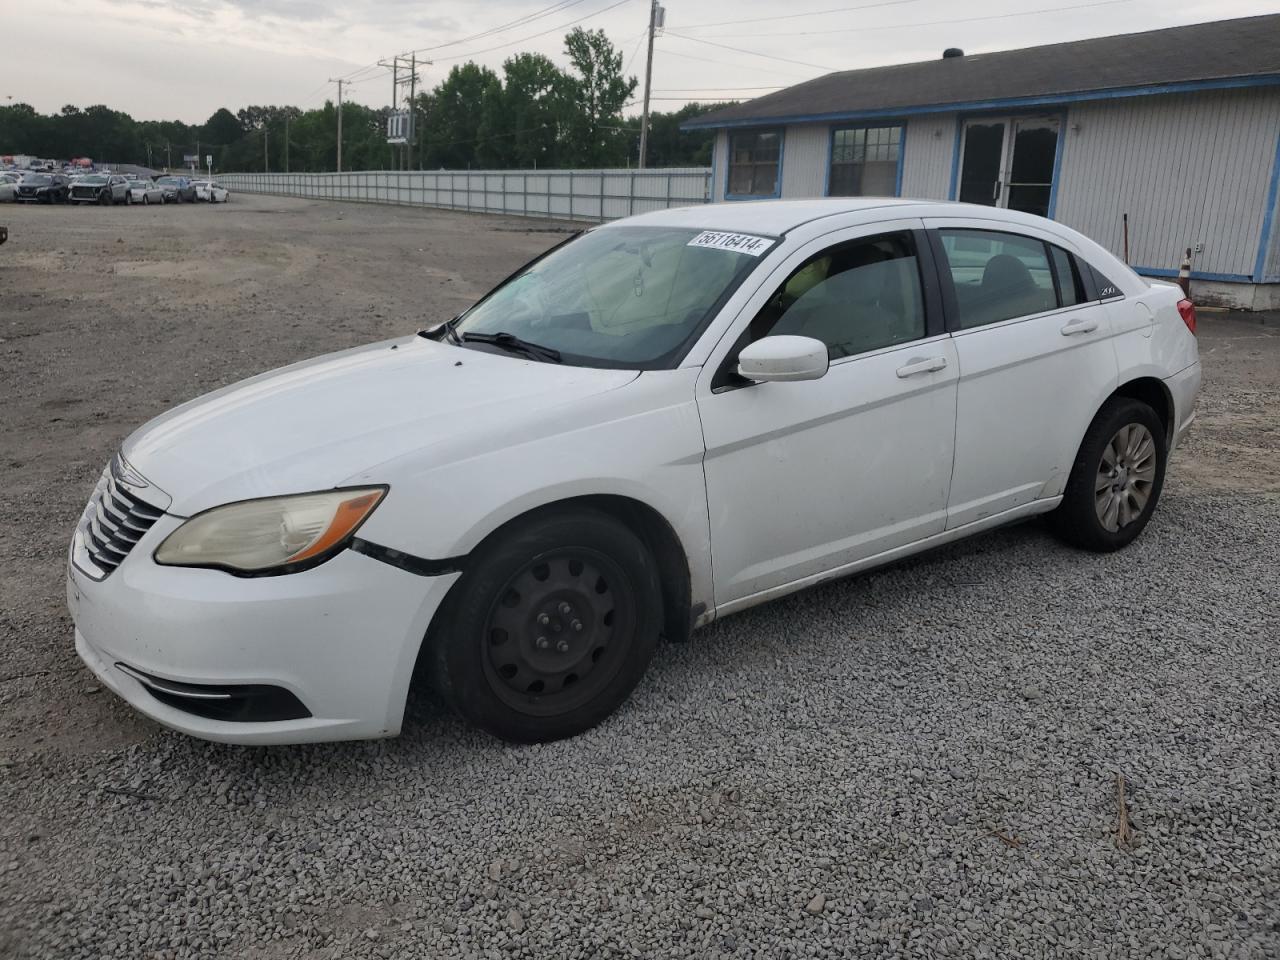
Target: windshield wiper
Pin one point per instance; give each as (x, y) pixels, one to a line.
(513, 344)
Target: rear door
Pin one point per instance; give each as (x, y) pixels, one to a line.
(1035, 357)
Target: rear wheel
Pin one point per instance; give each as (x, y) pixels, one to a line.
(1116, 479)
(551, 627)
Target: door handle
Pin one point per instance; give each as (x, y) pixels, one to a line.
(921, 365)
(1079, 326)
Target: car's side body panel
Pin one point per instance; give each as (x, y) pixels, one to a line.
(641, 441)
(1058, 364)
(804, 477)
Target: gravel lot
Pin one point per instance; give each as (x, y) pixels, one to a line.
(917, 762)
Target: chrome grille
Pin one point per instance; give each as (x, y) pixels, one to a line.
(114, 520)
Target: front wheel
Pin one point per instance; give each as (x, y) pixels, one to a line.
(146, 201)
(1116, 479)
(551, 627)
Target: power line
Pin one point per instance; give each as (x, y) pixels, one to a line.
(510, 25)
(711, 89)
(769, 56)
(794, 16)
(722, 63)
(918, 23)
(512, 43)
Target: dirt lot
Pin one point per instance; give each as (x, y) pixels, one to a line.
(110, 316)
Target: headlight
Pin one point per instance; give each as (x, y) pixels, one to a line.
(276, 534)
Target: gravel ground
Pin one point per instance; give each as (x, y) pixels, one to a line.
(919, 762)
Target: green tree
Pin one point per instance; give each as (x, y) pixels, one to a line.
(532, 110)
(597, 92)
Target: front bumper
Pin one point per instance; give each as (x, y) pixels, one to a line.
(342, 638)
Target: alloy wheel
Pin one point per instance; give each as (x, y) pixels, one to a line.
(1126, 477)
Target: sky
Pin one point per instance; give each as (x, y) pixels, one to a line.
(182, 59)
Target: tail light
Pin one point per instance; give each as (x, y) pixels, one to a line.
(1187, 310)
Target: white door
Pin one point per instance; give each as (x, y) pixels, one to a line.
(1009, 162)
(1035, 359)
(803, 478)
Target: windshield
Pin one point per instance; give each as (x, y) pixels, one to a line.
(93, 178)
(37, 178)
(168, 181)
(624, 296)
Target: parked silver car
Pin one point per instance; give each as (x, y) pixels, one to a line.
(145, 192)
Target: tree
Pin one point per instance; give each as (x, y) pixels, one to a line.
(533, 106)
(221, 128)
(463, 117)
(598, 93)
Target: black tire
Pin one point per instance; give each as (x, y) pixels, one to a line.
(146, 201)
(1077, 520)
(104, 198)
(550, 628)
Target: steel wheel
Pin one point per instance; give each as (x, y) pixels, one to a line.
(558, 632)
(1126, 476)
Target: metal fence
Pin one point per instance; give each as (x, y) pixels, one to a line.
(560, 194)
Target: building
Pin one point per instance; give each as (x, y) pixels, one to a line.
(1179, 129)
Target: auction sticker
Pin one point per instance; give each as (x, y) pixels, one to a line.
(737, 242)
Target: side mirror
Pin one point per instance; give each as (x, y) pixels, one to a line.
(783, 358)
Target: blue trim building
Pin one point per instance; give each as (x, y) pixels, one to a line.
(1174, 132)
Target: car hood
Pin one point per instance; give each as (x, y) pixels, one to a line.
(315, 424)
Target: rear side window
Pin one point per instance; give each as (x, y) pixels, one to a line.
(1070, 287)
(855, 297)
(997, 276)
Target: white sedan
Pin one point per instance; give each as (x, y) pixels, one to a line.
(663, 421)
(8, 186)
(211, 191)
(145, 192)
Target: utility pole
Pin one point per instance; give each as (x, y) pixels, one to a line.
(286, 143)
(413, 86)
(657, 16)
(266, 165)
(339, 82)
(168, 156)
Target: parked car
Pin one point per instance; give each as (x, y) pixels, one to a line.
(100, 188)
(42, 188)
(145, 192)
(520, 500)
(177, 189)
(211, 191)
(8, 186)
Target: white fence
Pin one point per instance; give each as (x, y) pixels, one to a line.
(560, 194)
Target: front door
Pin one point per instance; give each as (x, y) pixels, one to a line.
(804, 478)
(1009, 162)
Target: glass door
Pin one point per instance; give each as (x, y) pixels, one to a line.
(983, 162)
(1008, 162)
(1035, 146)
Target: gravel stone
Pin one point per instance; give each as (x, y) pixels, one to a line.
(783, 722)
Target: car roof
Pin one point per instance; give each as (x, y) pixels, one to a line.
(764, 216)
(776, 217)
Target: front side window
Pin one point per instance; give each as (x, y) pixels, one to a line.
(754, 162)
(856, 296)
(864, 162)
(997, 276)
(627, 297)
